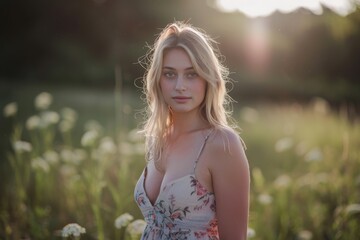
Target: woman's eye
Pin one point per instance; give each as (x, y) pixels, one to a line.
(169, 74)
(192, 75)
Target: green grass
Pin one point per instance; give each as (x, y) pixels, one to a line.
(304, 160)
(307, 159)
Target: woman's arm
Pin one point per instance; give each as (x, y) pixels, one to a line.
(231, 184)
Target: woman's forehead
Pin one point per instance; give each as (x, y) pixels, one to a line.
(177, 58)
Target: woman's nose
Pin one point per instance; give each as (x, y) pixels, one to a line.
(180, 84)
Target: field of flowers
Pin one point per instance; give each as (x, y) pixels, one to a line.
(66, 175)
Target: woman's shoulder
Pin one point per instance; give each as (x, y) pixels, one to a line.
(224, 139)
(225, 147)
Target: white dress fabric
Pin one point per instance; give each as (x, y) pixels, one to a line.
(184, 209)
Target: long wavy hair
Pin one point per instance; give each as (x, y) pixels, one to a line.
(205, 59)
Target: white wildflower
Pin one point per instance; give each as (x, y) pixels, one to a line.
(40, 164)
(69, 117)
(10, 109)
(73, 156)
(305, 235)
(137, 227)
(33, 122)
(314, 155)
(79, 155)
(69, 114)
(50, 117)
(313, 180)
(250, 233)
(72, 229)
(264, 199)
(352, 208)
(93, 125)
(22, 146)
(43, 101)
(282, 181)
(66, 126)
(284, 144)
(123, 220)
(89, 138)
(51, 157)
(107, 146)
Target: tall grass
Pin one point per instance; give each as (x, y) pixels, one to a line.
(305, 163)
(57, 180)
(305, 169)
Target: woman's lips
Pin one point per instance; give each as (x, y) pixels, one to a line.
(181, 99)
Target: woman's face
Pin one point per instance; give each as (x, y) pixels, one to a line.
(182, 88)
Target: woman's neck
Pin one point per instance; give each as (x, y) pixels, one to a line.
(187, 123)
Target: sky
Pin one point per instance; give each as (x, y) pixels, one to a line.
(259, 8)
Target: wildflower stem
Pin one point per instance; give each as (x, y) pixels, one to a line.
(99, 224)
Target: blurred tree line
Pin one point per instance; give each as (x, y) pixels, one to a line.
(80, 42)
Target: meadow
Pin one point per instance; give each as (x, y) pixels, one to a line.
(74, 156)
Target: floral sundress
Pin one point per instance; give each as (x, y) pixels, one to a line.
(184, 209)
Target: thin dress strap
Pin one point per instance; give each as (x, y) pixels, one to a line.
(201, 149)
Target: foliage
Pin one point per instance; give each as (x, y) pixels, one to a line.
(56, 182)
(80, 42)
(305, 177)
(304, 165)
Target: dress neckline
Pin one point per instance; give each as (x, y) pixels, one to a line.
(163, 188)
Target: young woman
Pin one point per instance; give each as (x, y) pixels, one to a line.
(196, 182)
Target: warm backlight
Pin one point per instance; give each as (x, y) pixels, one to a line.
(256, 8)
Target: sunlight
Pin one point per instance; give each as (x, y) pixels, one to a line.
(256, 48)
(256, 8)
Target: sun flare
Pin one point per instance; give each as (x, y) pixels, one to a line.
(256, 8)
(256, 48)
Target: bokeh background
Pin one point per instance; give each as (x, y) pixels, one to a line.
(71, 95)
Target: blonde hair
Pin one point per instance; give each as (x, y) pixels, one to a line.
(205, 60)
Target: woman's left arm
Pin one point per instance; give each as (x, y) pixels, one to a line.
(231, 185)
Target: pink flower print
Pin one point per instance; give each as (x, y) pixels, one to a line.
(170, 225)
(140, 200)
(199, 235)
(213, 223)
(175, 215)
(200, 190)
(213, 229)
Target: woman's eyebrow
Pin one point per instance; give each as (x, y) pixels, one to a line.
(171, 68)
